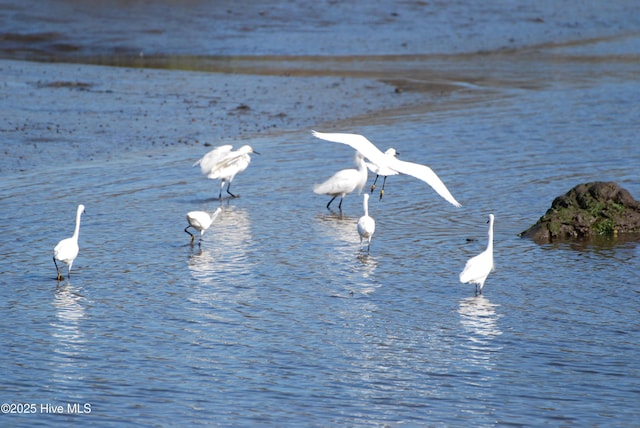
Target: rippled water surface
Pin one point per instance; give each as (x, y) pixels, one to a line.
(277, 318)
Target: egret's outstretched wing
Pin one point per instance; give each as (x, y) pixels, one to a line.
(231, 159)
(211, 160)
(375, 156)
(426, 174)
(356, 141)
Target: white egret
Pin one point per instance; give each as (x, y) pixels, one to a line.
(344, 181)
(366, 224)
(67, 250)
(382, 171)
(200, 220)
(223, 163)
(386, 162)
(478, 268)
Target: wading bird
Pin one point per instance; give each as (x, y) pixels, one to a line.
(223, 163)
(344, 182)
(366, 224)
(478, 268)
(67, 250)
(200, 220)
(386, 162)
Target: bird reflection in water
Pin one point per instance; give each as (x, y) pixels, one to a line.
(70, 341)
(341, 228)
(366, 269)
(69, 312)
(220, 267)
(343, 251)
(480, 321)
(227, 248)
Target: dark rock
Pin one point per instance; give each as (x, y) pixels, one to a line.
(586, 211)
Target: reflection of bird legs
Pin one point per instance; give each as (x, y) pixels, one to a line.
(59, 277)
(192, 237)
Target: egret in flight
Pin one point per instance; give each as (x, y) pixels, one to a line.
(67, 250)
(344, 181)
(200, 220)
(366, 224)
(388, 163)
(478, 268)
(223, 163)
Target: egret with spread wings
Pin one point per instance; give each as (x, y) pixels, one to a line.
(388, 163)
(223, 163)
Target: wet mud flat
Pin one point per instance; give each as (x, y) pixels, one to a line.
(57, 113)
(149, 75)
(66, 111)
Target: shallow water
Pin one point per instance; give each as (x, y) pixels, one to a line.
(278, 318)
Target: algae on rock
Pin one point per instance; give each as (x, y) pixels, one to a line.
(588, 210)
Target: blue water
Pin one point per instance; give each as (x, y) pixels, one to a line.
(278, 318)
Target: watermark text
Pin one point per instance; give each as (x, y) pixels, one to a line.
(46, 408)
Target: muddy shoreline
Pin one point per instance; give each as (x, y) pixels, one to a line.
(144, 77)
(73, 112)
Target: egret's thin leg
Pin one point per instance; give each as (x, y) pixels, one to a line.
(59, 277)
(192, 237)
(340, 204)
(229, 191)
(331, 201)
(383, 183)
(373, 186)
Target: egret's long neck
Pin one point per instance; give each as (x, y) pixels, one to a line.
(490, 243)
(365, 204)
(362, 168)
(76, 232)
(362, 165)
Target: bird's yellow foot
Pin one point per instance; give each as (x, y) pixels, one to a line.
(381, 194)
(59, 277)
(192, 238)
(373, 187)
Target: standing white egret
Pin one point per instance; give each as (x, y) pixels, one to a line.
(200, 220)
(366, 224)
(223, 163)
(478, 268)
(344, 181)
(67, 250)
(382, 171)
(386, 162)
